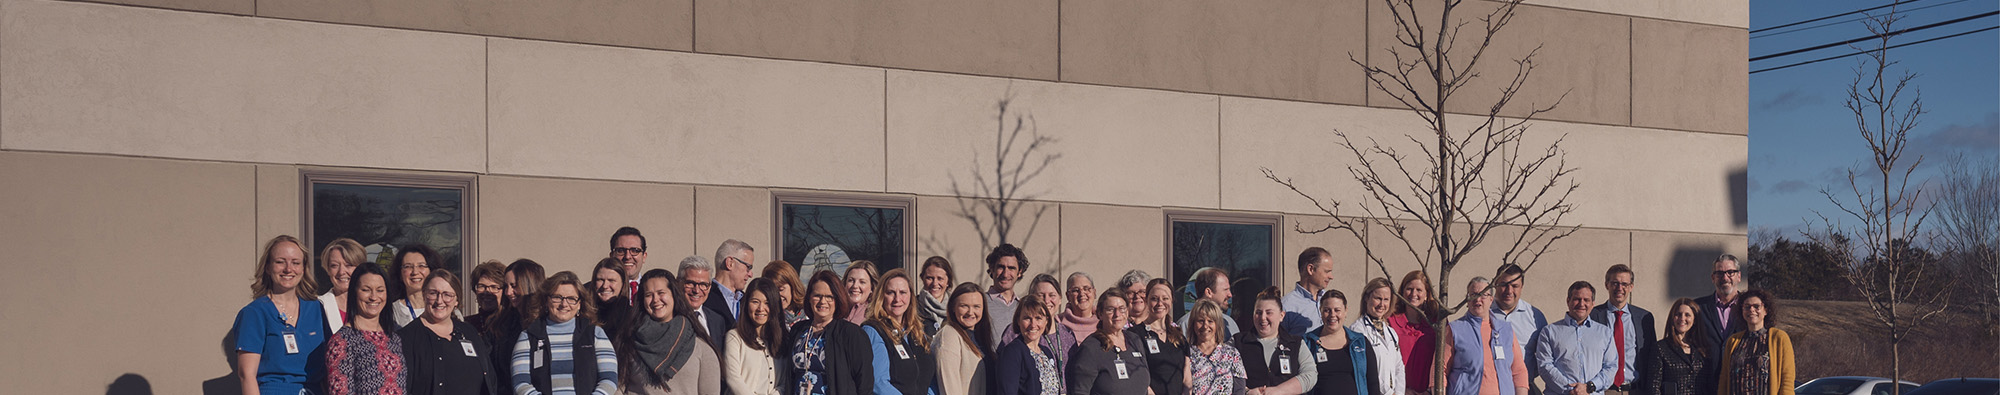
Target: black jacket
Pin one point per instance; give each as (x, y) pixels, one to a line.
(1670, 372)
(1709, 323)
(421, 359)
(1014, 372)
(1265, 373)
(848, 361)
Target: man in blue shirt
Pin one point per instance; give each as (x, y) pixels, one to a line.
(1302, 304)
(1574, 355)
(1525, 318)
(1631, 327)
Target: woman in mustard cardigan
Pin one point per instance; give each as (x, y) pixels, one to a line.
(1758, 360)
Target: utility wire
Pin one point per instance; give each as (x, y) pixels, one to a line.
(1833, 16)
(1889, 34)
(1873, 50)
(1851, 20)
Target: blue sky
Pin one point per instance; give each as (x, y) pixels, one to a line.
(1801, 137)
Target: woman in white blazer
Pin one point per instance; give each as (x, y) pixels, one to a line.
(1376, 302)
(748, 364)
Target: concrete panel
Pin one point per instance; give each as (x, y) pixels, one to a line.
(1690, 77)
(116, 241)
(567, 224)
(1116, 145)
(613, 113)
(722, 213)
(1583, 54)
(278, 200)
(1297, 141)
(944, 230)
(238, 7)
(998, 38)
(1107, 241)
(1669, 265)
(667, 24)
(1295, 49)
(1733, 13)
(93, 78)
(1679, 182)
(1351, 270)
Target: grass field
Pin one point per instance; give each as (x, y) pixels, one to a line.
(1840, 339)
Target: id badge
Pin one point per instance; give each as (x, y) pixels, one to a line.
(1319, 356)
(1152, 346)
(1285, 366)
(1122, 373)
(537, 352)
(291, 343)
(467, 345)
(901, 352)
(1499, 352)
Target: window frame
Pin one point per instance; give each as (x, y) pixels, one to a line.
(466, 184)
(907, 203)
(1170, 216)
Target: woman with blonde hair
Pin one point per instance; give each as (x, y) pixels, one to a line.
(902, 353)
(339, 260)
(858, 286)
(1165, 343)
(1417, 308)
(1378, 300)
(959, 346)
(282, 326)
(1214, 367)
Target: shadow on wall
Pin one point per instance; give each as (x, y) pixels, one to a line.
(225, 385)
(1688, 272)
(1739, 196)
(129, 384)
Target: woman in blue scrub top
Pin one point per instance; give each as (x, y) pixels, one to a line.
(281, 331)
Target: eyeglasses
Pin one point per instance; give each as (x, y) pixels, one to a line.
(487, 287)
(1726, 272)
(565, 300)
(746, 265)
(436, 295)
(817, 297)
(699, 285)
(627, 251)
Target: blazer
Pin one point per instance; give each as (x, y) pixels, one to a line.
(1014, 371)
(959, 369)
(1783, 370)
(1641, 320)
(1668, 371)
(848, 364)
(1710, 324)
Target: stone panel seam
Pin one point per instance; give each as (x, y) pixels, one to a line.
(885, 130)
(1631, 73)
(487, 84)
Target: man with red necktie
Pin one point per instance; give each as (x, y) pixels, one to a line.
(1631, 328)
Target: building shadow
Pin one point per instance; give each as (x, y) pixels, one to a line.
(129, 384)
(1739, 196)
(227, 384)
(1688, 271)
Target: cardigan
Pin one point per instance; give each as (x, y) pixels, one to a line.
(1783, 371)
(439, 365)
(746, 371)
(1014, 371)
(959, 369)
(847, 359)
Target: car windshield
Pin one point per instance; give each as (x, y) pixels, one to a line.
(1829, 387)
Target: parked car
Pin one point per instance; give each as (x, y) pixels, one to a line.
(1959, 386)
(1853, 385)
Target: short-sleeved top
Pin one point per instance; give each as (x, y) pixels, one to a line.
(260, 330)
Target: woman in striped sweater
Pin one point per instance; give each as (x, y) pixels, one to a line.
(545, 356)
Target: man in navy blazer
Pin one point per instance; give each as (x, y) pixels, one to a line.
(1717, 318)
(1632, 328)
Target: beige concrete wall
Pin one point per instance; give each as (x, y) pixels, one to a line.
(144, 259)
(567, 224)
(653, 24)
(723, 213)
(1295, 50)
(943, 229)
(1104, 242)
(998, 38)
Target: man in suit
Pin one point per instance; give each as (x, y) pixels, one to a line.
(1718, 317)
(733, 268)
(1632, 331)
(629, 248)
(697, 282)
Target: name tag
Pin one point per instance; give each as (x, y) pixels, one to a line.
(291, 343)
(537, 352)
(1319, 356)
(1499, 352)
(1152, 346)
(1122, 373)
(467, 345)
(1285, 366)
(901, 352)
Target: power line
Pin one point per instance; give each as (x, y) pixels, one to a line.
(1833, 16)
(1889, 34)
(1851, 20)
(1873, 50)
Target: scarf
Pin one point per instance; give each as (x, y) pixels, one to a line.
(664, 346)
(930, 310)
(1082, 326)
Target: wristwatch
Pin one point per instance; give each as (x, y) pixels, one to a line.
(1592, 387)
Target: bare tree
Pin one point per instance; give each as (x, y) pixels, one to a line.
(1458, 184)
(993, 199)
(1892, 216)
(1968, 207)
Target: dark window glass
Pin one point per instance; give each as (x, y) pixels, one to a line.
(384, 218)
(1243, 250)
(825, 237)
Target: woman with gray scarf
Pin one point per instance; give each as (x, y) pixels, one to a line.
(660, 350)
(937, 280)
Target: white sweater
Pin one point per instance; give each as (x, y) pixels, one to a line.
(747, 371)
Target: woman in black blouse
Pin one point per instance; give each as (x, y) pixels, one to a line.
(1161, 340)
(1108, 362)
(1679, 367)
(441, 352)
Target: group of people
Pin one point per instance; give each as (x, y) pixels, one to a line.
(713, 327)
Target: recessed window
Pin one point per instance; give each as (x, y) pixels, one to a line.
(1245, 245)
(386, 211)
(828, 231)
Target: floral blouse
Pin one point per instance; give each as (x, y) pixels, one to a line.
(810, 360)
(1045, 367)
(1217, 373)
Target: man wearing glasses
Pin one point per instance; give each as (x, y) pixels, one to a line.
(731, 276)
(1717, 321)
(698, 281)
(629, 248)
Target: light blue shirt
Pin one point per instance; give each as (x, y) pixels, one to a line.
(1304, 304)
(729, 298)
(1569, 352)
(1631, 341)
(1525, 320)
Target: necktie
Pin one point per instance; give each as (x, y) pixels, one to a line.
(1618, 342)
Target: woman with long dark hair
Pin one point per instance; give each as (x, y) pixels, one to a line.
(523, 281)
(749, 352)
(1758, 360)
(412, 265)
(1679, 364)
(283, 326)
(607, 290)
(661, 349)
(564, 320)
(826, 354)
(937, 282)
(367, 357)
(443, 352)
(960, 345)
